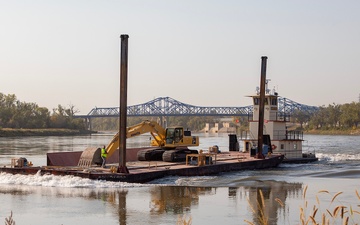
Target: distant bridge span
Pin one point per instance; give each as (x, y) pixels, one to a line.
(166, 106)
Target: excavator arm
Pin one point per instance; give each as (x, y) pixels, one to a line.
(156, 131)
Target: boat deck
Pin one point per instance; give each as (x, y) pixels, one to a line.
(145, 171)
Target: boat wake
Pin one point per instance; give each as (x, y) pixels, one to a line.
(338, 157)
(61, 181)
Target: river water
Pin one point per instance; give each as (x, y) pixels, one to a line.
(228, 198)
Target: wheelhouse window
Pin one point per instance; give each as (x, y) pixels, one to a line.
(273, 101)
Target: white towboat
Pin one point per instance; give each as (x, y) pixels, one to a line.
(276, 136)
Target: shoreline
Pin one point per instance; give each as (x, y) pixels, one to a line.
(9, 132)
(353, 132)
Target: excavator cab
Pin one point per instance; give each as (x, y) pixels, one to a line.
(174, 135)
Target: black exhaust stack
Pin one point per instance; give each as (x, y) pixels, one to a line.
(261, 108)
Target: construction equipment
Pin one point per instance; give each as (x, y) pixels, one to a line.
(170, 144)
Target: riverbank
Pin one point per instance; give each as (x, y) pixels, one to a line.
(9, 132)
(333, 132)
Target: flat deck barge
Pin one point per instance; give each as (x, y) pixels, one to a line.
(145, 171)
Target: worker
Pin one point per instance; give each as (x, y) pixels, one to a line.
(103, 156)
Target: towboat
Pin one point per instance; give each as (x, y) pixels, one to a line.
(276, 136)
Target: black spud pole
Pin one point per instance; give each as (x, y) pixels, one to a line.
(123, 104)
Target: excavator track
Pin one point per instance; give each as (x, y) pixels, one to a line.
(150, 154)
(177, 155)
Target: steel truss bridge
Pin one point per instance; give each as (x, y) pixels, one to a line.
(166, 106)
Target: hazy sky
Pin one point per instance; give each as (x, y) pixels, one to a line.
(200, 52)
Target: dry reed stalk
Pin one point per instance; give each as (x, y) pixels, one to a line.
(317, 200)
(183, 221)
(280, 202)
(323, 221)
(304, 194)
(251, 223)
(9, 221)
(357, 194)
(261, 217)
(329, 212)
(251, 207)
(336, 211)
(312, 219)
(261, 206)
(302, 216)
(314, 212)
(337, 194)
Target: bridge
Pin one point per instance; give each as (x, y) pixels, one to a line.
(166, 106)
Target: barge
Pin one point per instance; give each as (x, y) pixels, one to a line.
(201, 164)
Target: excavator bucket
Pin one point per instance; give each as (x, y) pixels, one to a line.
(90, 156)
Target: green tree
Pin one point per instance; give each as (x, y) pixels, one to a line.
(7, 108)
(301, 117)
(333, 115)
(318, 119)
(350, 114)
(29, 115)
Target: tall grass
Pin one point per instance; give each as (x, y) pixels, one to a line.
(336, 212)
(183, 221)
(9, 221)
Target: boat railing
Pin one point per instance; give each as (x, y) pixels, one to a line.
(290, 153)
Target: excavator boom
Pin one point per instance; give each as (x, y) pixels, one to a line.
(156, 131)
(166, 139)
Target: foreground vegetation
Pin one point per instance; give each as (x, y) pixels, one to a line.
(335, 213)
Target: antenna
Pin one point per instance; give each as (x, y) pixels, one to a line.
(267, 90)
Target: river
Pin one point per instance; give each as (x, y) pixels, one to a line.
(228, 198)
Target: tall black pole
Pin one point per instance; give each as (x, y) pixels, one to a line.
(261, 107)
(123, 104)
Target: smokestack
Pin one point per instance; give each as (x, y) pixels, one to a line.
(261, 108)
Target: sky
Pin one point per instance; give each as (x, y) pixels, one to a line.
(199, 52)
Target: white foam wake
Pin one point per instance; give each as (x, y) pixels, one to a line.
(338, 157)
(61, 181)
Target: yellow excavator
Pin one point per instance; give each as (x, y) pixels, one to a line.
(172, 143)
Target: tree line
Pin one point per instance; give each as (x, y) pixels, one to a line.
(334, 116)
(17, 114)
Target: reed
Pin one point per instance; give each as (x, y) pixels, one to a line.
(336, 212)
(9, 221)
(184, 221)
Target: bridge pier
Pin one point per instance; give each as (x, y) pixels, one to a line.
(163, 121)
(88, 125)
